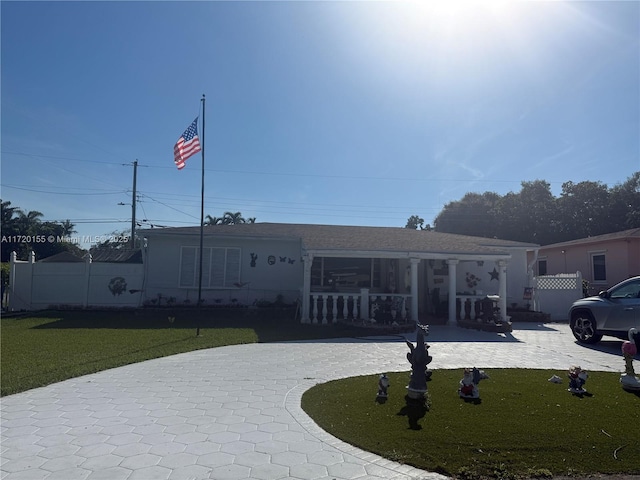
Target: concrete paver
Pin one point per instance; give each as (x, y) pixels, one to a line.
(234, 412)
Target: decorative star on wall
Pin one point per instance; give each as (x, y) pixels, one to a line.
(495, 275)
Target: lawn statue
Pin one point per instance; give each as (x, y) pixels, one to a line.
(419, 359)
(629, 380)
(383, 385)
(577, 379)
(469, 383)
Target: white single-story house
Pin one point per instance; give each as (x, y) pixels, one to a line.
(334, 271)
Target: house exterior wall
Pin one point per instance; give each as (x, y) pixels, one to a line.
(622, 257)
(517, 277)
(268, 268)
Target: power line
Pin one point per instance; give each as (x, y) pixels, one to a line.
(169, 206)
(288, 174)
(58, 157)
(62, 193)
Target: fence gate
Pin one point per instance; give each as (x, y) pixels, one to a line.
(554, 294)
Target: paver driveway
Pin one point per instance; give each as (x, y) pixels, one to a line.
(234, 412)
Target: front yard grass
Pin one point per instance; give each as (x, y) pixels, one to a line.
(523, 427)
(54, 346)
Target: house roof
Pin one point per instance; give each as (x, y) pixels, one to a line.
(624, 234)
(97, 255)
(125, 255)
(355, 238)
(62, 257)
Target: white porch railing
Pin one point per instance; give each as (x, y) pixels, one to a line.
(330, 307)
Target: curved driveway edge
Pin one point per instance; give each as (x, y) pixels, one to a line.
(234, 412)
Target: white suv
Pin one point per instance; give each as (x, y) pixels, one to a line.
(613, 312)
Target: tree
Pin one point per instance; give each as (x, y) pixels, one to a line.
(414, 222)
(209, 220)
(25, 232)
(472, 215)
(584, 210)
(527, 216)
(7, 213)
(28, 222)
(68, 228)
(534, 215)
(9, 229)
(113, 242)
(229, 218)
(624, 204)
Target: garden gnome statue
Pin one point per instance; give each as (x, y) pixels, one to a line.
(383, 385)
(629, 380)
(469, 383)
(419, 359)
(577, 379)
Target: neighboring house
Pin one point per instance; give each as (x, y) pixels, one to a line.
(603, 260)
(334, 271)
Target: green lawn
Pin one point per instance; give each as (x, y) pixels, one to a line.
(55, 346)
(523, 426)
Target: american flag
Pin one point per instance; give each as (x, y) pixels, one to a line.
(188, 144)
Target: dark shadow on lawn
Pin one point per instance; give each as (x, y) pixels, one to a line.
(285, 329)
(414, 410)
(139, 319)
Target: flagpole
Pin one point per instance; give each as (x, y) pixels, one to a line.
(201, 226)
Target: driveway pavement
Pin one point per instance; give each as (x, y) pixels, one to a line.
(234, 412)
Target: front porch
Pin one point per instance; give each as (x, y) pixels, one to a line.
(366, 290)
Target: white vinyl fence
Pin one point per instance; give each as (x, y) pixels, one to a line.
(554, 294)
(35, 286)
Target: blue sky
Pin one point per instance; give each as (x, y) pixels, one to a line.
(360, 113)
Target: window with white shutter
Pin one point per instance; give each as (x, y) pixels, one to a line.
(220, 267)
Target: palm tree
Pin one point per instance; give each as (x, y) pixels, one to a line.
(229, 218)
(68, 228)
(233, 218)
(28, 222)
(209, 220)
(7, 213)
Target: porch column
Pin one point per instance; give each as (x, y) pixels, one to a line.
(502, 289)
(414, 288)
(364, 304)
(452, 291)
(306, 288)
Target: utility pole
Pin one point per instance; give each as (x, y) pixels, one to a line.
(133, 206)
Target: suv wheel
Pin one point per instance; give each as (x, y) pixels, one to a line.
(583, 327)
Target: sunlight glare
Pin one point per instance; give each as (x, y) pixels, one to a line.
(464, 18)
